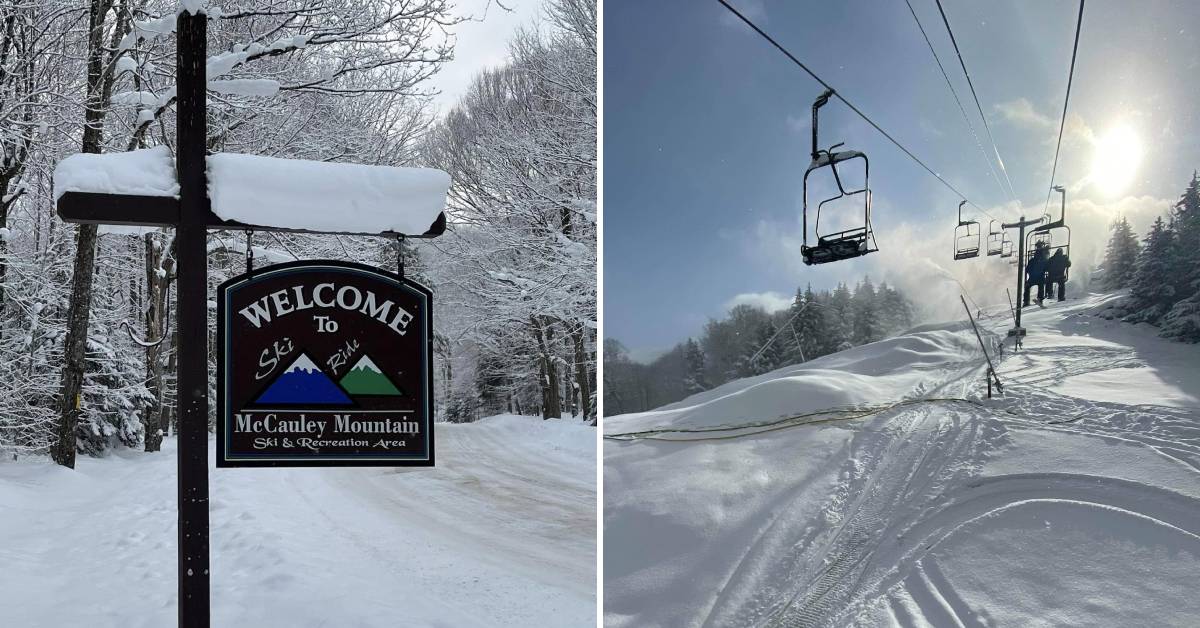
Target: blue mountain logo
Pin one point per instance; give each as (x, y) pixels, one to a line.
(303, 383)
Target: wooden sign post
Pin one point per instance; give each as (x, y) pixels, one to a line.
(191, 250)
(191, 215)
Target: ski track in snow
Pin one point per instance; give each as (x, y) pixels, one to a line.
(500, 533)
(916, 477)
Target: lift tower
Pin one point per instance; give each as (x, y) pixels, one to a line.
(1018, 332)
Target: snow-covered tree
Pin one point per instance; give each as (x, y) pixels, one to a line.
(1120, 258)
(521, 148)
(340, 81)
(839, 317)
(1182, 322)
(1153, 290)
(894, 310)
(768, 351)
(809, 326)
(729, 343)
(696, 380)
(730, 347)
(867, 326)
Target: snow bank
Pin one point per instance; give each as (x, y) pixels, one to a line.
(324, 196)
(570, 436)
(146, 172)
(874, 373)
(1056, 503)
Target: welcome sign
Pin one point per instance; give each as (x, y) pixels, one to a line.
(324, 363)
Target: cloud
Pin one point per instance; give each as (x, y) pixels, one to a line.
(1078, 129)
(798, 124)
(769, 302)
(929, 128)
(1077, 134)
(1022, 112)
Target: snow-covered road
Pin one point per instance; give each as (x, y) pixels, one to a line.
(500, 533)
(1072, 500)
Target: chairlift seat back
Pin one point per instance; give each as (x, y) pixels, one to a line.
(995, 242)
(966, 238)
(966, 243)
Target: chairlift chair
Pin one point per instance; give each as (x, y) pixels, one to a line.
(1006, 247)
(966, 237)
(995, 241)
(1043, 233)
(1035, 238)
(840, 245)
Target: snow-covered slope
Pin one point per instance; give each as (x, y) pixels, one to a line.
(500, 533)
(1071, 500)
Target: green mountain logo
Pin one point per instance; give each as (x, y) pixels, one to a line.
(366, 379)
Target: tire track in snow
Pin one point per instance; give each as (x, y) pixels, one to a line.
(1171, 432)
(847, 579)
(940, 585)
(482, 485)
(929, 599)
(1064, 362)
(903, 471)
(913, 541)
(778, 546)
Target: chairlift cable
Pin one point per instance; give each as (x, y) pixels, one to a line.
(1066, 99)
(839, 96)
(962, 109)
(979, 107)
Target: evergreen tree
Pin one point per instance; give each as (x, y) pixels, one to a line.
(1185, 220)
(1121, 256)
(839, 317)
(810, 327)
(730, 343)
(1182, 322)
(866, 314)
(773, 355)
(753, 362)
(696, 379)
(895, 311)
(793, 351)
(1153, 291)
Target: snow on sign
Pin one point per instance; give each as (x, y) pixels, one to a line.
(324, 363)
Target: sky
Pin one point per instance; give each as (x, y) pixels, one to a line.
(481, 43)
(707, 137)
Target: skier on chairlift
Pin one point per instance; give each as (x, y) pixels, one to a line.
(1056, 273)
(1035, 272)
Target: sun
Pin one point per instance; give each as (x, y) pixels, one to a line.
(1115, 160)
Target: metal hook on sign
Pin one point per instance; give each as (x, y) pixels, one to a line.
(400, 255)
(249, 251)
